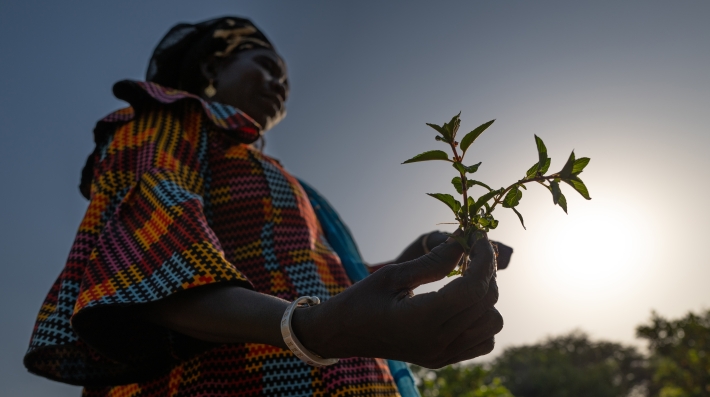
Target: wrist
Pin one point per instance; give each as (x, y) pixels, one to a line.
(311, 331)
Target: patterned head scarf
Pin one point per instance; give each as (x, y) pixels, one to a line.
(178, 55)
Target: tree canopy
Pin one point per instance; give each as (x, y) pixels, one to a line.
(459, 381)
(572, 365)
(680, 355)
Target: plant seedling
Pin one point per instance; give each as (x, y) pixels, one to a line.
(476, 215)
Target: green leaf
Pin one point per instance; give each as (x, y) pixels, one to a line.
(459, 167)
(567, 169)
(579, 165)
(512, 198)
(448, 200)
(522, 222)
(430, 155)
(533, 171)
(483, 200)
(456, 181)
(442, 131)
(579, 186)
(557, 196)
(453, 125)
(556, 192)
(472, 168)
(541, 152)
(562, 202)
(471, 136)
(472, 182)
(488, 222)
(438, 138)
(457, 184)
(466, 169)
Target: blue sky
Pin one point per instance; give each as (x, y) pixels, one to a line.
(626, 84)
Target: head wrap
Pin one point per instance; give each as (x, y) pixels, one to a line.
(179, 53)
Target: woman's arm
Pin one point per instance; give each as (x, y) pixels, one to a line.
(221, 313)
(376, 317)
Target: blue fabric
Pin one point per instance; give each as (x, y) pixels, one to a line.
(403, 378)
(339, 237)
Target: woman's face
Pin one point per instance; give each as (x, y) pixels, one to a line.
(255, 82)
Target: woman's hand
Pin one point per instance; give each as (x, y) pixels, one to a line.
(380, 317)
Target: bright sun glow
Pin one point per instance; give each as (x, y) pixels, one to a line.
(599, 248)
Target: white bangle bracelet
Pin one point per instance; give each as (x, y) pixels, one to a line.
(292, 342)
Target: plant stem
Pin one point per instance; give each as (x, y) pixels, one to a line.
(463, 187)
(464, 190)
(499, 199)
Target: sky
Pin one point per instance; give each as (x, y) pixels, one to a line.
(624, 83)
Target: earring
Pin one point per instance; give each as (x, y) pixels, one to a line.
(210, 91)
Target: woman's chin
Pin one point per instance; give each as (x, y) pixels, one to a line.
(266, 119)
(271, 121)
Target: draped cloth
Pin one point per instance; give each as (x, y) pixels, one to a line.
(179, 200)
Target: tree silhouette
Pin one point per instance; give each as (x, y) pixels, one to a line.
(680, 355)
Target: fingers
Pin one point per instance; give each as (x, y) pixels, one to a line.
(467, 317)
(435, 238)
(431, 267)
(481, 349)
(472, 287)
(483, 259)
(475, 341)
(489, 324)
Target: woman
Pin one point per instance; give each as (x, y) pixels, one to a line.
(195, 243)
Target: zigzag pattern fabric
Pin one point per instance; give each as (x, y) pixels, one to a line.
(179, 200)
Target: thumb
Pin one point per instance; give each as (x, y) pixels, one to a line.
(483, 262)
(433, 266)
